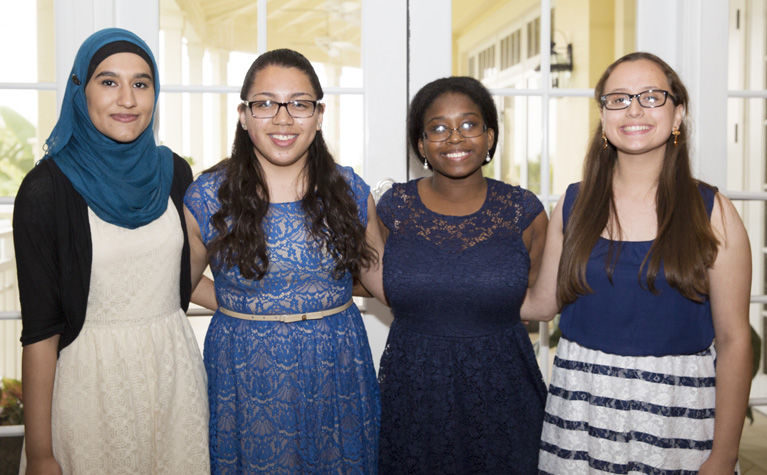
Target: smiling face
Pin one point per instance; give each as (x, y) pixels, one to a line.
(638, 130)
(456, 157)
(281, 140)
(120, 96)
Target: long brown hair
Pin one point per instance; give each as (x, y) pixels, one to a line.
(331, 211)
(685, 244)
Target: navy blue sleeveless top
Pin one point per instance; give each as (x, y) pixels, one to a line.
(624, 317)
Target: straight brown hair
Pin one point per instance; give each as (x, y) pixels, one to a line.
(685, 244)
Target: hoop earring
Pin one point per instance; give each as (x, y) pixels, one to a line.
(604, 141)
(676, 133)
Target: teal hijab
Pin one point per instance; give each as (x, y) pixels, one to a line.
(126, 184)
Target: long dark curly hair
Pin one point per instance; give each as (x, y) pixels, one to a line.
(331, 211)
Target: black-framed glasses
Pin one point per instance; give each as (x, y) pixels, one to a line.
(266, 109)
(468, 129)
(648, 99)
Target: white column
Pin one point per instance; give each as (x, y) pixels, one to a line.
(430, 50)
(195, 115)
(384, 66)
(171, 122)
(691, 37)
(219, 140)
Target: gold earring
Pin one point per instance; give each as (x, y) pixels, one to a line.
(604, 141)
(675, 132)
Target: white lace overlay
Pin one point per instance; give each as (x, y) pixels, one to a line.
(130, 392)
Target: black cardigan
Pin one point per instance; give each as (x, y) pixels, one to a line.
(52, 241)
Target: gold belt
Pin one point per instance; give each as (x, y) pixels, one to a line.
(287, 317)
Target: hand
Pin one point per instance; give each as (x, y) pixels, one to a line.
(43, 466)
(717, 466)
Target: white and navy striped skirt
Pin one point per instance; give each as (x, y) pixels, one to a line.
(628, 414)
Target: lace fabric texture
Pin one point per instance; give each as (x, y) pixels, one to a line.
(288, 398)
(461, 391)
(129, 395)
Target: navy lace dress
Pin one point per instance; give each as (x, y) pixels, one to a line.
(287, 398)
(461, 391)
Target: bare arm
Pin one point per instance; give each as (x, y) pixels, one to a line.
(534, 238)
(730, 287)
(541, 299)
(204, 294)
(198, 254)
(371, 277)
(38, 370)
(359, 290)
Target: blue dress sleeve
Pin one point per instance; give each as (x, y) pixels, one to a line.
(202, 201)
(360, 190)
(531, 208)
(384, 207)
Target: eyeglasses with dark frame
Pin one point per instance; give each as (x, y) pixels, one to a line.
(440, 133)
(266, 109)
(648, 99)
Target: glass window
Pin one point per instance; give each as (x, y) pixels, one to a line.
(747, 146)
(213, 47)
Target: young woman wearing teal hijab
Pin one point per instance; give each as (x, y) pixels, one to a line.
(113, 379)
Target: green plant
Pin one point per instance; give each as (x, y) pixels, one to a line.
(16, 153)
(11, 407)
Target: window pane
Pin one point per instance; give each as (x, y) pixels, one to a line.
(747, 147)
(26, 31)
(326, 32)
(196, 44)
(26, 119)
(518, 154)
(569, 138)
(501, 45)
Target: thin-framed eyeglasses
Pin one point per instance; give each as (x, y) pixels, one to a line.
(468, 129)
(266, 109)
(648, 99)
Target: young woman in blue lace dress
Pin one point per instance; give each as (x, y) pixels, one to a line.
(653, 270)
(291, 383)
(461, 391)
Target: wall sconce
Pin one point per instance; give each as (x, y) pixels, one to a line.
(561, 63)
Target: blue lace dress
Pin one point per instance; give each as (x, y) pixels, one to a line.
(461, 391)
(287, 397)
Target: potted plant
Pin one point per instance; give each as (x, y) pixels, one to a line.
(11, 428)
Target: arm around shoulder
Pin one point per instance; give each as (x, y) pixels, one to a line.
(541, 300)
(371, 276)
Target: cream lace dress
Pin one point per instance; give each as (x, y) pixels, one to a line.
(130, 391)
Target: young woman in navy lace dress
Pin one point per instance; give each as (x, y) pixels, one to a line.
(291, 382)
(653, 270)
(461, 390)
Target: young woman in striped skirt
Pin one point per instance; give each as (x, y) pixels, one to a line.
(652, 272)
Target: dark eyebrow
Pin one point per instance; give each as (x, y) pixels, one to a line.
(273, 96)
(114, 75)
(465, 115)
